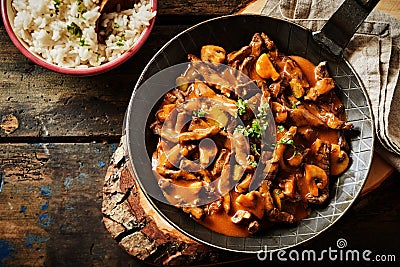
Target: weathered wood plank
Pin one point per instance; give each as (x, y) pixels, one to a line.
(195, 7)
(48, 103)
(50, 206)
(51, 104)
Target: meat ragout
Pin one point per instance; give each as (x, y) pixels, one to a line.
(203, 151)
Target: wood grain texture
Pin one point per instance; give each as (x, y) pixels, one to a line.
(50, 206)
(52, 104)
(391, 7)
(208, 7)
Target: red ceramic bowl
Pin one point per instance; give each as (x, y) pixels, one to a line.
(8, 14)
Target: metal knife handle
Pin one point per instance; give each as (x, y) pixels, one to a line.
(340, 28)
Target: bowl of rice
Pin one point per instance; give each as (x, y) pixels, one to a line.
(62, 36)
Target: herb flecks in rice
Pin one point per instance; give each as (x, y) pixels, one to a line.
(63, 31)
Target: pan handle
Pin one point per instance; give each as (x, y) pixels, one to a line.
(340, 28)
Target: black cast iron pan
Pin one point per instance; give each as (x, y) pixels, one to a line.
(233, 32)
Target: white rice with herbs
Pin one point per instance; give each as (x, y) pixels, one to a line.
(63, 31)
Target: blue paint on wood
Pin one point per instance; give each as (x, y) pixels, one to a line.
(45, 190)
(6, 249)
(68, 181)
(45, 220)
(101, 164)
(45, 206)
(113, 148)
(23, 209)
(37, 144)
(32, 239)
(82, 177)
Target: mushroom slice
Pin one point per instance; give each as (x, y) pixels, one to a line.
(281, 216)
(256, 45)
(198, 134)
(197, 123)
(302, 117)
(321, 153)
(279, 111)
(247, 65)
(315, 179)
(214, 207)
(241, 216)
(281, 147)
(253, 227)
(218, 115)
(241, 146)
(212, 53)
(222, 159)
(277, 195)
(295, 160)
(239, 55)
(339, 160)
(196, 212)
(319, 200)
(252, 202)
(321, 71)
(243, 186)
(288, 185)
(226, 180)
(321, 87)
(328, 118)
(266, 194)
(178, 175)
(268, 42)
(163, 113)
(226, 203)
(208, 150)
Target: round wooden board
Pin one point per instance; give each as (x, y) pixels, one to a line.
(140, 231)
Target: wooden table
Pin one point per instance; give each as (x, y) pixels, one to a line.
(54, 163)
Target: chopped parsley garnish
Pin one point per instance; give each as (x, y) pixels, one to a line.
(251, 162)
(82, 42)
(82, 9)
(256, 129)
(263, 111)
(57, 6)
(242, 105)
(120, 42)
(199, 113)
(74, 29)
(280, 129)
(254, 148)
(286, 141)
(98, 56)
(116, 26)
(296, 104)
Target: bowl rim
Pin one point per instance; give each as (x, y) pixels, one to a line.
(74, 71)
